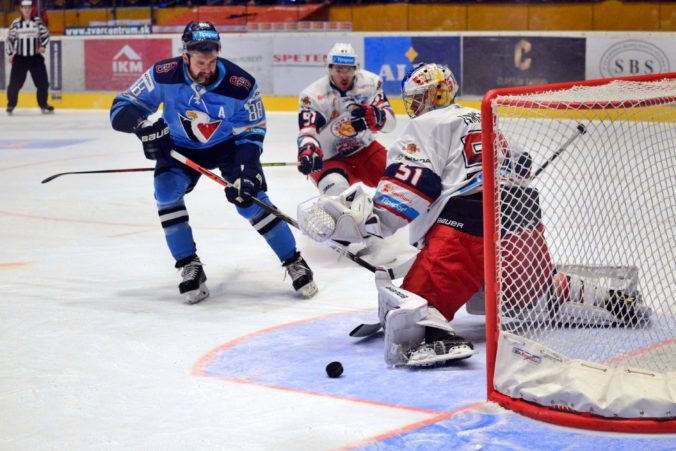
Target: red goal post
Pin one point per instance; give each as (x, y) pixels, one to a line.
(580, 302)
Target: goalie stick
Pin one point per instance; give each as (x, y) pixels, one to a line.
(579, 131)
(365, 330)
(111, 171)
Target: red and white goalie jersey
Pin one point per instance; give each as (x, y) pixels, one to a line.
(437, 156)
(325, 113)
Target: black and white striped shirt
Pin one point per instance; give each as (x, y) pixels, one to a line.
(25, 37)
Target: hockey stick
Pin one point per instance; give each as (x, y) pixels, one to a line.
(111, 171)
(275, 211)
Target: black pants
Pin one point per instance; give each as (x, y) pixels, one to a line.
(17, 77)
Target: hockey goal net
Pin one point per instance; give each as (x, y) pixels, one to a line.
(580, 233)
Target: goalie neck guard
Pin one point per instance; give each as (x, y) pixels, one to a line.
(427, 87)
(201, 37)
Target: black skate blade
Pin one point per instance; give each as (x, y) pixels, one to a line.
(365, 330)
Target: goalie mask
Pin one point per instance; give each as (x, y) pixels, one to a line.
(427, 87)
(201, 37)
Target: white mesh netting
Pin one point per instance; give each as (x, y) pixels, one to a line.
(585, 249)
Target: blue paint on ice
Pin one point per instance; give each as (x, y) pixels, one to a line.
(295, 357)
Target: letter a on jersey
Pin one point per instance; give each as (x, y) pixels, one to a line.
(198, 126)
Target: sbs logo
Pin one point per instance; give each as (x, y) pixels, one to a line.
(633, 57)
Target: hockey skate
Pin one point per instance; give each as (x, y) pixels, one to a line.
(301, 275)
(440, 352)
(194, 278)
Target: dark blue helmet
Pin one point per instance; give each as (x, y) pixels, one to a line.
(201, 37)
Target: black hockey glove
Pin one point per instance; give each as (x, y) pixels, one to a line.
(157, 142)
(310, 157)
(368, 116)
(245, 187)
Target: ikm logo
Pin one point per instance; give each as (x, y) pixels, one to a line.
(127, 61)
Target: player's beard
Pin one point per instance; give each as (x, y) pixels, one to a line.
(205, 78)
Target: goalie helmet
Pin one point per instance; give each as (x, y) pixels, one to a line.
(427, 87)
(342, 54)
(201, 37)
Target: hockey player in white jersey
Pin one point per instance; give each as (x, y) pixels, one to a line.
(338, 118)
(433, 184)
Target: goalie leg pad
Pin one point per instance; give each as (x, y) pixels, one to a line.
(599, 296)
(402, 331)
(399, 312)
(407, 319)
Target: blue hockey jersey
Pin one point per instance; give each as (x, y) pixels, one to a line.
(198, 116)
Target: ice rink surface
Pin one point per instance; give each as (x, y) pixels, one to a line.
(99, 352)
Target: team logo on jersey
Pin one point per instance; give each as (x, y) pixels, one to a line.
(343, 128)
(305, 101)
(198, 126)
(411, 148)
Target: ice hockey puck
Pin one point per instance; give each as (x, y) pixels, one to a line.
(334, 369)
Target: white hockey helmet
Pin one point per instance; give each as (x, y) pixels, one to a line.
(342, 54)
(427, 87)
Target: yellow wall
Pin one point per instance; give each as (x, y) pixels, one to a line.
(609, 15)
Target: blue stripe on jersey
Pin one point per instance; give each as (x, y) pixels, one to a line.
(422, 181)
(396, 206)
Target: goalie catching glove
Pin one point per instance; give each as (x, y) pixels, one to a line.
(345, 218)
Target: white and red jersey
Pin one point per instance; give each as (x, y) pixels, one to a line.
(325, 113)
(437, 156)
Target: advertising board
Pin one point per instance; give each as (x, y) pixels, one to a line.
(392, 57)
(622, 56)
(114, 64)
(503, 61)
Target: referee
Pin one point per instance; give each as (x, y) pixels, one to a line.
(26, 42)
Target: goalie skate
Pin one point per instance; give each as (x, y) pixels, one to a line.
(301, 275)
(440, 352)
(194, 278)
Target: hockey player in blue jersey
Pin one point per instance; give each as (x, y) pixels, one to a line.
(212, 114)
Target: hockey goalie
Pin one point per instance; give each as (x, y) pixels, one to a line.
(433, 184)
